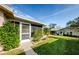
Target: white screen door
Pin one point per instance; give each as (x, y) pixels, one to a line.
(25, 31)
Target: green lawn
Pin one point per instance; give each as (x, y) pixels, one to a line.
(58, 45)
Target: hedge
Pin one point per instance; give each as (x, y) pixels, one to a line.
(46, 31)
(37, 34)
(9, 36)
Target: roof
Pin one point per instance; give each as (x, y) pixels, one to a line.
(54, 29)
(6, 8)
(70, 28)
(29, 20)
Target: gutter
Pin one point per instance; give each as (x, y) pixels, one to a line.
(9, 10)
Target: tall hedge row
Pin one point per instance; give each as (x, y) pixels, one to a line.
(9, 36)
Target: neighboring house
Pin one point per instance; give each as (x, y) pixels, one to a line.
(26, 26)
(53, 31)
(69, 31)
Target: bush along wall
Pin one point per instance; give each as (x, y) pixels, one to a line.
(37, 34)
(46, 31)
(9, 36)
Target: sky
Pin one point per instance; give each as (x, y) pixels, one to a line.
(59, 14)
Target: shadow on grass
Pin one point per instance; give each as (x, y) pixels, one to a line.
(59, 47)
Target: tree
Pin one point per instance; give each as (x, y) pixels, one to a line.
(52, 25)
(73, 23)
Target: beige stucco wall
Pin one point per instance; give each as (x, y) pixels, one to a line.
(1, 18)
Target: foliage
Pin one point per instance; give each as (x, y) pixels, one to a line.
(9, 36)
(73, 23)
(52, 25)
(58, 45)
(46, 31)
(37, 34)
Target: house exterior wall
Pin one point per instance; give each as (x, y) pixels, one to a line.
(1, 18)
(23, 32)
(6, 15)
(75, 32)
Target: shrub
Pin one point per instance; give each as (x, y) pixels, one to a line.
(46, 31)
(9, 36)
(37, 34)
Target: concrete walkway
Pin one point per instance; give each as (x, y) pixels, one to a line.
(30, 52)
(24, 47)
(27, 48)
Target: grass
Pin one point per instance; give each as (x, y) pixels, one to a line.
(58, 45)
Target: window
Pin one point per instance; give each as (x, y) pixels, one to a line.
(70, 33)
